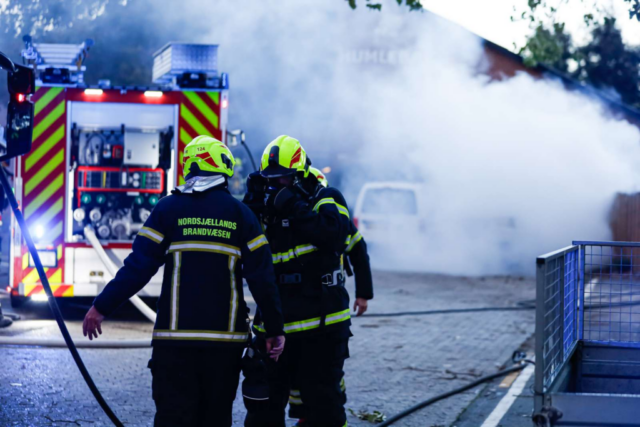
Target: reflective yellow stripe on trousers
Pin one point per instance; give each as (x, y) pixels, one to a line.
(305, 325)
(293, 253)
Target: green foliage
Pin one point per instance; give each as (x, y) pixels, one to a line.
(413, 5)
(18, 17)
(552, 47)
(634, 9)
(605, 62)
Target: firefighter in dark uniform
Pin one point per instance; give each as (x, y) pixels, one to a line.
(357, 263)
(307, 232)
(208, 242)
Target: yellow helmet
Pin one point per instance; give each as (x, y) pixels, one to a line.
(209, 155)
(319, 176)
(283, 156)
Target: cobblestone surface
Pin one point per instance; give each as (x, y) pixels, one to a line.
(395, 361)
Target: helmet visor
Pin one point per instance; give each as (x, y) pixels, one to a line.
(276, 171)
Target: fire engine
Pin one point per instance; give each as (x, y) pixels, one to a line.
(102, 157)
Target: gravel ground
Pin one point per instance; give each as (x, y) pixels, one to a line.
(395, 361)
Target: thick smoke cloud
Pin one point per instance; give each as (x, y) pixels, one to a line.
(508, 170)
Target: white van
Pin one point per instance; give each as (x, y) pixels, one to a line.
(385, 209)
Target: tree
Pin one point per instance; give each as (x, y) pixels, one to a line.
(411, 4)
(36, 18)
(605, 62)
(549, 46)
(548, 42)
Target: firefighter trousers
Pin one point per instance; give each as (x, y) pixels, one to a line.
(315, 364)
(194, 386)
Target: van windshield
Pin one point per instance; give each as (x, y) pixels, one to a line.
(390, 201)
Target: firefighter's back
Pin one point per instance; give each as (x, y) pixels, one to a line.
(202, 270)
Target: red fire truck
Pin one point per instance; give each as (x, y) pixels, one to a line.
(102, 157)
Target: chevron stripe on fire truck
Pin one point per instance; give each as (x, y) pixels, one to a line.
(199, 115)
(58, 290)
(43, 177)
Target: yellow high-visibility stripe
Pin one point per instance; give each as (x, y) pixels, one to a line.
(207, 112)
(33, 277)
(258, 242)
(51, 212)
(46, 99)
(353, 241)
(199, 246)
(44, 148)
(188, 116)
(342, 209)
(151, 234)
(56, 277)
(175, 291)
(200, 335)
(305, 325)
(44, 196)
(44, 172)
(295, 400)
(48, 120)
(293, 253)
(233, 305)
(184, 137)
(215, 97)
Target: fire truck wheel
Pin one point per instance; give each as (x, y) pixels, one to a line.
(17, 302)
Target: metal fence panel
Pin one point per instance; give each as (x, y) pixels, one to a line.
(557, 317)
(612, 293)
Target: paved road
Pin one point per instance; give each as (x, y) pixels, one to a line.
(395, 361)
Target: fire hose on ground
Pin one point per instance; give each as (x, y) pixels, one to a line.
(53, 304)
(431, 401)
(135, 300)
(144, 309)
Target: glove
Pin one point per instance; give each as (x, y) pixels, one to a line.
(284, 200)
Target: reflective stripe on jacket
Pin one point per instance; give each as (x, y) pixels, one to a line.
(208, 242)
(307, 246)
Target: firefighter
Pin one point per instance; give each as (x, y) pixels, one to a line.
(307, 231)
(357, 263)
(357, 255)
(208, 242)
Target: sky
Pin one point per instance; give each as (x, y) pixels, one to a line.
(490, 19)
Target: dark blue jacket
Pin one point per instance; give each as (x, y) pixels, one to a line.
(208, 242)
(358, 257)
(308, 243)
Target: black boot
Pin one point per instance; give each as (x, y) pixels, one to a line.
(4, 321)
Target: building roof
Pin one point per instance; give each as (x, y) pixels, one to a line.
(515, 62)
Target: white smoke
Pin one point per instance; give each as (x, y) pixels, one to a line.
(509, 169)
